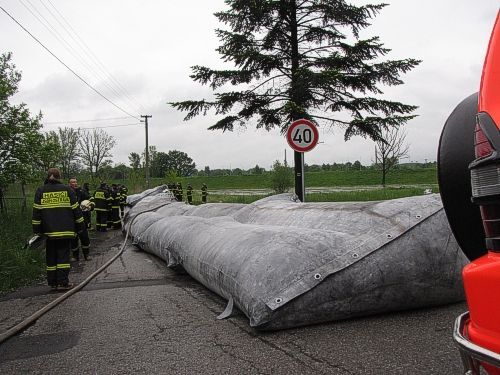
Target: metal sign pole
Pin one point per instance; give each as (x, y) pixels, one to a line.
(299, 175)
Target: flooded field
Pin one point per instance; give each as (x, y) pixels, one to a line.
(323, 189)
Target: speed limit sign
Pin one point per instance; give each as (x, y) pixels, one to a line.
(302, 135)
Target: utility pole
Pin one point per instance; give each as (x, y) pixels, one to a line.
(147, 148)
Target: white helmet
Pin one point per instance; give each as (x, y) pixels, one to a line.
(86, 205)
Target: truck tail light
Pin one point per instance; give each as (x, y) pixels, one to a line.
(485, 177)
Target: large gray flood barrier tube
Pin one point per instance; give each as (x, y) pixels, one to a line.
(287, 264)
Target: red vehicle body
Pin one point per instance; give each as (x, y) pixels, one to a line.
(477, 332)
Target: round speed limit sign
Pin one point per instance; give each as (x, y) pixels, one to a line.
(302, 135)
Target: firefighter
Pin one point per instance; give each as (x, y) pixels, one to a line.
(115, 207)
(87, 217)
(189, 194)
(179, 192)
(173, 189)
(57, 215)
(83, 236)
(204, 193)
(123, 198)
(109, 223)
(101, 200)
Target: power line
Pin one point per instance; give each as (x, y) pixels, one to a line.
(86, 49)
(67, 67)
(78, 121)
(108, 126)
(91, 61)
(67, 45)
(111, 126)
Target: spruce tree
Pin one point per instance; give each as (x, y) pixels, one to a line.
(301, 59)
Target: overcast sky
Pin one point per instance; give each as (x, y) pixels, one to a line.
(149, 47)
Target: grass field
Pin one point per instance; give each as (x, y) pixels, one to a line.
(367, 177)
(338, 196)
(17, 266)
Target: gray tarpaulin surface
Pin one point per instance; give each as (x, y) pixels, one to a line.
(286, 264)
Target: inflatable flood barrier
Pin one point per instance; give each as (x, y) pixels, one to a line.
(288, 264)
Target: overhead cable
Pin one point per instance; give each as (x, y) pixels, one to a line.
(78, 121)
(86, 49)
(106, 126)
(67, 67)
(111, 126)
(67, 45)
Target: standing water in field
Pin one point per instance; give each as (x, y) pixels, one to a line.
(287, 264)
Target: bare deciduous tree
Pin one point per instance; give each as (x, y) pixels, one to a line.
(48, 151)
(68, 138)
(93, 147)
(388, 153)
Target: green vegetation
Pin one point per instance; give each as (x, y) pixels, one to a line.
(367, 195)
(224, 198)
(281, 177)
(17, 266)
(337, 196)
(368, 177)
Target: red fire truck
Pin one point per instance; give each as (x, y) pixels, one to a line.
(469, 179)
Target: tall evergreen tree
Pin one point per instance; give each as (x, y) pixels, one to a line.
(301, 59)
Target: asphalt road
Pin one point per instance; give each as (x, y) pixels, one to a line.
(140, 317)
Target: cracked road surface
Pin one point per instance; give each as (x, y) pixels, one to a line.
(140, 317)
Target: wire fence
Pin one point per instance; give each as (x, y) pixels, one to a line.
(13, 205)
(15, 199)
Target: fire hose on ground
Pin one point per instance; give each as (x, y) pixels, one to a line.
(35, 316)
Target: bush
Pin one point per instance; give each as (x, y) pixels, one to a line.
(18, 266)
(281, 178)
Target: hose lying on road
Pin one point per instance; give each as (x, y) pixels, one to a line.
(31, 319)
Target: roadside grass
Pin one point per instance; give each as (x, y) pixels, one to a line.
(17, 266)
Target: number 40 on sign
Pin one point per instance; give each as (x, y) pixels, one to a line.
(302, 135)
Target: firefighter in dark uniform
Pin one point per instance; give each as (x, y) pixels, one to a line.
(204, 193)
(110, 207)
(173, 189)
(123, 198)
(87, 217)
(189, 194)
(115, 207)
(101, 200)
(83, 236)
(57, 215)
(180, 193)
